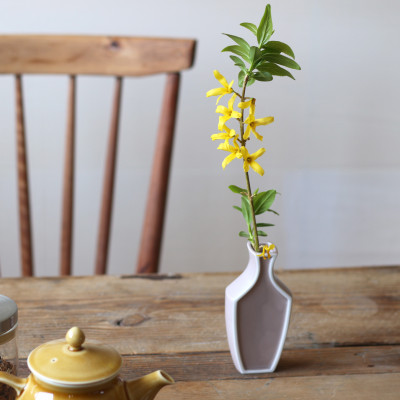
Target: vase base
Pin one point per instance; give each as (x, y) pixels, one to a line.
(256, 371)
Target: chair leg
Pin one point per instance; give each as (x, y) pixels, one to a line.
(149, 252)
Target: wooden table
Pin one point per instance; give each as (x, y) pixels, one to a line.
(343, 340)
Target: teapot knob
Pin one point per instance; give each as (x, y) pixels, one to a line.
(75, 338)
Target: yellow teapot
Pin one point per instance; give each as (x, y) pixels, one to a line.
(73, 369)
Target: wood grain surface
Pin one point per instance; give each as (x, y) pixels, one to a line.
(343, 339)
(103, 55)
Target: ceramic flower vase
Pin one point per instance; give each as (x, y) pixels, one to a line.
(257, 313)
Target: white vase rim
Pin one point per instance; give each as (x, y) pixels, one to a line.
(273, 252)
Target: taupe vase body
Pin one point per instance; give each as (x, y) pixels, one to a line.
(257, 313)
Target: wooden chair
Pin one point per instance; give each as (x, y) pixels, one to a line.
(98, 55)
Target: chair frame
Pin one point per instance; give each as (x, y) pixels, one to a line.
(98, 55)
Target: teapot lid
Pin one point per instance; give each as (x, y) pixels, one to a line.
(74, 363)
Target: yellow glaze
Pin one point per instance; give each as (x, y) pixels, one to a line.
(35, 390)
(72, 369)
(73, 362)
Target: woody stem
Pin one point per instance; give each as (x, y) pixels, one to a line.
(255, 243)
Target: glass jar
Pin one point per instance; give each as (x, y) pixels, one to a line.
(8, 343)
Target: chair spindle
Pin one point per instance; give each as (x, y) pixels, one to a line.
(23, 184)
(68, 183)
(108, 184)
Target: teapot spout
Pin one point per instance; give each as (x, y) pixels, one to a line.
(146, 387)
(18, 384)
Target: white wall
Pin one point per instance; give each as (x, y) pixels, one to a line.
(332, 151)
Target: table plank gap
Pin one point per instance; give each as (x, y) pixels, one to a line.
(198, 366)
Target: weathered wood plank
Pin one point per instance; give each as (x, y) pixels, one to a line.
(185, 313)
(343, 387)
(191, 367)
(293, 363)
(337, 307)
(109, 55)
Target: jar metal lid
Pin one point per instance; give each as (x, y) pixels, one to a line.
(8, 315)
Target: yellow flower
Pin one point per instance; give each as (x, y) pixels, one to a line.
(228, 134)
(227, 113)
(249, 160)
(250, 103)
(234, 150)
(222, 91)
(252, 123)
(267, 249)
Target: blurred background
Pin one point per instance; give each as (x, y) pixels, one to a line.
(332, 152)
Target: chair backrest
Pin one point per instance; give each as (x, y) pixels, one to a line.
(98, 55)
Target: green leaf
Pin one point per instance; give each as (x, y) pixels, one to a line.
(244, 234)
(250, 81)
(274, 69)
(252, 53)
(281, 60)
(258, 57)
(241, 78)
(236, 189)
(263, 76)
(265, 30)
(261, 233)
(263, 201)
(237, 208)
(238, 61)
(263, 224)
(241, 42)
(246, 199)
(246, 211)
(255, 57)
(278, 47)
(273, 212)
(251, 27)
(238, 51)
